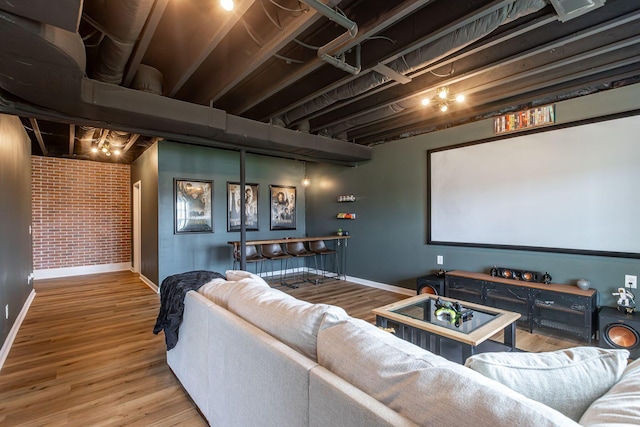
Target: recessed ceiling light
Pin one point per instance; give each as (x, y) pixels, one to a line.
(227, 4)
(425, 101)
(459, 98)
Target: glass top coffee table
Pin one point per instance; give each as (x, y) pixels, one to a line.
(414, 319)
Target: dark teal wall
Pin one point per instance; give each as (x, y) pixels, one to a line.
(16, 262)
(183, 252)
(145, 170)
(388, 243)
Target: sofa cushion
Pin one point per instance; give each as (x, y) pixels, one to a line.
(567, 380)
(620, 406)
(219, 290)
(421, 386)
(292, 321)
(235, 275)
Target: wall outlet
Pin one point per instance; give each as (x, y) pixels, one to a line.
(440, 260)
(630, 281)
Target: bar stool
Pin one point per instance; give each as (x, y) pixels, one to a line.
(252, 256)
(318, 247)
(273, 251)
(298, 251)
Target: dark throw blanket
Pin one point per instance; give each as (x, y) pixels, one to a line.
(172, 292)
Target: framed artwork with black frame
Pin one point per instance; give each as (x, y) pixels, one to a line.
(192, 203)
(233, 206)
(283, 207)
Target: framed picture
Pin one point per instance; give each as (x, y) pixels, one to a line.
(192, 206)
(233, 206)
(283, 207)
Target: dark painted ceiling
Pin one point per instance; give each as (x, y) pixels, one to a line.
(261, 62)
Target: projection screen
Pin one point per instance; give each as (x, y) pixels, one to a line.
(575, 189)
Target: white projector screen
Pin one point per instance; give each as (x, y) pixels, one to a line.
(575, 189)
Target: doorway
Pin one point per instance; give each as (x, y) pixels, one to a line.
(137, 234)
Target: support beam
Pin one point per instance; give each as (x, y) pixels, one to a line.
(132, 140)
(243, 212)
(36, 131)
(72, 139)
(141, 47)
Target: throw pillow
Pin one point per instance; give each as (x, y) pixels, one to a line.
(421, 386)
(290, 320)
(620, 406)
(219, 290)
(235, 275)
(566, 380)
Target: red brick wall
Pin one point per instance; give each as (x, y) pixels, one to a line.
(81, 213)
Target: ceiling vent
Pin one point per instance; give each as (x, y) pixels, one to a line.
(569, 9)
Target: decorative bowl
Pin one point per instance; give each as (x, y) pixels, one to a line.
(583, 284)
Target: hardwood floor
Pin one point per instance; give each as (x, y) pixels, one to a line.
(86, 355)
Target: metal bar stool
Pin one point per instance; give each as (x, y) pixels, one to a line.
(318, 247)
(273, 251)
(298, 251)
(252, 256)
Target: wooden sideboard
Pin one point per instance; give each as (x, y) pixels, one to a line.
(562, 307)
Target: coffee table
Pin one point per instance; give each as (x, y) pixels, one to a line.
(414, 320)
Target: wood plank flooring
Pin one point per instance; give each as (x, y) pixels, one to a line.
(86, 355)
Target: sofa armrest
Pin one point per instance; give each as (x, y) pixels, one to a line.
(189, 358)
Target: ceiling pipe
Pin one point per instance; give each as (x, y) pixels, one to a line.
(325, 53)
(455, 39)
(122, 22)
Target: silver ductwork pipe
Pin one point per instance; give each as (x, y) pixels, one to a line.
(122, 22)
(419, 58)
(326, 52)
(147, 79)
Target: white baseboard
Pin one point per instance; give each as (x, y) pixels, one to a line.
(384, 286)
(4, 351)
(53, 273)
(149, 283)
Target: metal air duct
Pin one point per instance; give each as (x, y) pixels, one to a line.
(453, 41)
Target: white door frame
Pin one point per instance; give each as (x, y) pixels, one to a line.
(137, 233)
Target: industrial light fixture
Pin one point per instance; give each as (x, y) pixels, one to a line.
(227, 4)
(105, 149)
(442, 99)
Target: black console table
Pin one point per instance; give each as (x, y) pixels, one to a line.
(562, 307)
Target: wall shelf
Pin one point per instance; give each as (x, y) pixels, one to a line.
(343, 215)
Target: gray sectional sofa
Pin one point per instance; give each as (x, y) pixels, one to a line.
(249, 355)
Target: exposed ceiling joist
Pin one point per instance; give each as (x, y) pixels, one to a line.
(36, 130)
(259, 64)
